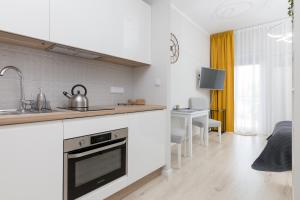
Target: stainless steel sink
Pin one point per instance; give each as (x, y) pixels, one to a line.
(10, 112)
(17, 112)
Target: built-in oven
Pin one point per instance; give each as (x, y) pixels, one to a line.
(94, 160)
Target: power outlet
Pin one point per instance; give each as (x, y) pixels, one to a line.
(117, 90)
(157, 82)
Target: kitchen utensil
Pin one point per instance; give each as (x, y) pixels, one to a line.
(77, 100)
(140, 102)
(131, 102)
(41, 100)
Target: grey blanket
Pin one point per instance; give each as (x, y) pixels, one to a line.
(277, 155)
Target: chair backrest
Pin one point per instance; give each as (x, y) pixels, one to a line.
(199, 103)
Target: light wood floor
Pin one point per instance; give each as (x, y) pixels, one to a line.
(220, 172)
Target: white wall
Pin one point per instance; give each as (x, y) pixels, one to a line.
(296, 102)
(145, 79)
(56, 73)
(194, 44)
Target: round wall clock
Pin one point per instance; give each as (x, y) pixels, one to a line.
(174, 49)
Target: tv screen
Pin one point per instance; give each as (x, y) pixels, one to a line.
(212, 79)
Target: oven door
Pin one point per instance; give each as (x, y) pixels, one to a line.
(90, 168)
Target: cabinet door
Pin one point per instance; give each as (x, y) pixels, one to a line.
(118, 28)
(137, 31)
(146, 143)
(31, 161)
(94, 25)
(29, 18)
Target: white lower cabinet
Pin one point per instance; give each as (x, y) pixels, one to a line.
(31, 155)
(31, 165)
(146, 148)
(147, 143)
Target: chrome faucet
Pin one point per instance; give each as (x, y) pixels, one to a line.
(22, 97)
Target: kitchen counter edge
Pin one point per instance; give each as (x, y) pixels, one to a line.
(66, 114)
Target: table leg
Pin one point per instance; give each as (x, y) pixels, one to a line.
(201, 136)
(185, 146)
(224, 121)
(185, 138)
(190, 136)
(206, 131)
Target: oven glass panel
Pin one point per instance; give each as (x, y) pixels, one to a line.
(95, 170)
(92, 168)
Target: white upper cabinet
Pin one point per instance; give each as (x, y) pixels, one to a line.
(118, 28)
(137, 31)
(28, 18)
(88, 24)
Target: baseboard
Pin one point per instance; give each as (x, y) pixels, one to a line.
(135, 186)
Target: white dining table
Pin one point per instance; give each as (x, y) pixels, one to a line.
(188, 115)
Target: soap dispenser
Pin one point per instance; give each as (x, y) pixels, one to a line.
(41, 100)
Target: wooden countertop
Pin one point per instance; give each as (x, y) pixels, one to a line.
(66, 114)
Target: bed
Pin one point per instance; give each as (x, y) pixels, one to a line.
(277, 155)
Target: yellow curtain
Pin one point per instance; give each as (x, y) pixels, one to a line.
(222, 57)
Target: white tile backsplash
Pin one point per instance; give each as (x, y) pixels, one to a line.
(56, 73)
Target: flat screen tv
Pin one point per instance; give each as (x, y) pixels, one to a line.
(212, 79)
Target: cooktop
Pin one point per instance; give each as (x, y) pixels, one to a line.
(90, 108)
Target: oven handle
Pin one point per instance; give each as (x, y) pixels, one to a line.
(79, 155)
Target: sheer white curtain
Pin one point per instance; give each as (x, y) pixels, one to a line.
(263, 77)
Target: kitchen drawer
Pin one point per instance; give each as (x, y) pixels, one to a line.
(90, 125)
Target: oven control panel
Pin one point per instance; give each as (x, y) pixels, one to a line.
(101, 138)
(93, 139)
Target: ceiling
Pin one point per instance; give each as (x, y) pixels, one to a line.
(222, 15)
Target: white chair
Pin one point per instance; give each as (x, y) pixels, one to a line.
(178, 136)
(202, 103)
